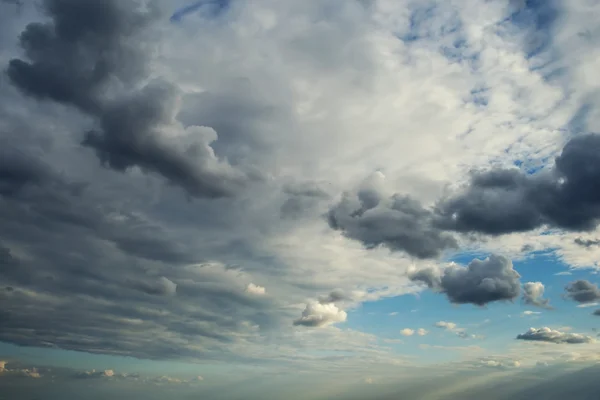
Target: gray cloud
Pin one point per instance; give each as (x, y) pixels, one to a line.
(82, 56)
(596, 312)
(533, 294)
(100, 263)
(546, 334)
(582, 291)
(587, 243)
(398, 223)
(479, 283)
(508, 200)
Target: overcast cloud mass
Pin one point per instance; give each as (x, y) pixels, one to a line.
(318, 199)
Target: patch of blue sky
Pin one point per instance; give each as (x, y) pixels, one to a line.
(208, 8)
(498, 322)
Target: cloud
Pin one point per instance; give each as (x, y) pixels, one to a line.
(160, 287)
(528, 312)
(398, 222)
(501, 201)
(255, 289)
(596, 312)
(422, 332)
(587, 243)
(582, 291)
(500, 364)
(546, 334)
(407, 332)
(320, 315)
(24, 372)
(265, 149)
(587, 305)
(479, 283)
(446, 325)
(80, 55)
(533, 294)
(108, 373)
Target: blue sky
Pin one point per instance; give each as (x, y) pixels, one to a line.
(314, 200)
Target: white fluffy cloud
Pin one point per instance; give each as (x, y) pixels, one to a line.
(407, 332)
(255, 289)
(320, 315)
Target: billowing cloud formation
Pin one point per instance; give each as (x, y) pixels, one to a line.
(320, 315)
(533, 293)
(479, 283)
(407, 332)
(546, 334)
(503, 201)
(397, 222)
(583, 291)
(82, 56)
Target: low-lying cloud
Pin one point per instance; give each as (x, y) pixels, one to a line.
(546, 334)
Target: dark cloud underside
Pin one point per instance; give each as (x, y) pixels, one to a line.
(481, 282)
(93, 55)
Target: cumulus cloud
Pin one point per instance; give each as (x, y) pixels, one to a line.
(397, 222)
(501, 201)
(582, 291)
(255, 289)
(533, 294)
(546, 334)
(422, 332)
(596, 312)
(81, 55)
(320, 315)
(3, 366)
(479, 283)
(407, 332)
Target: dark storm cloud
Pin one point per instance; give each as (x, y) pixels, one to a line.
(548, 335)
(587, 243)
(508, 200)
(481, 282)
(398, 223)
(90, 50)
(596, 312)
(582, 291)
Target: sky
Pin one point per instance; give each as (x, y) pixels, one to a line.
(326, 199)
